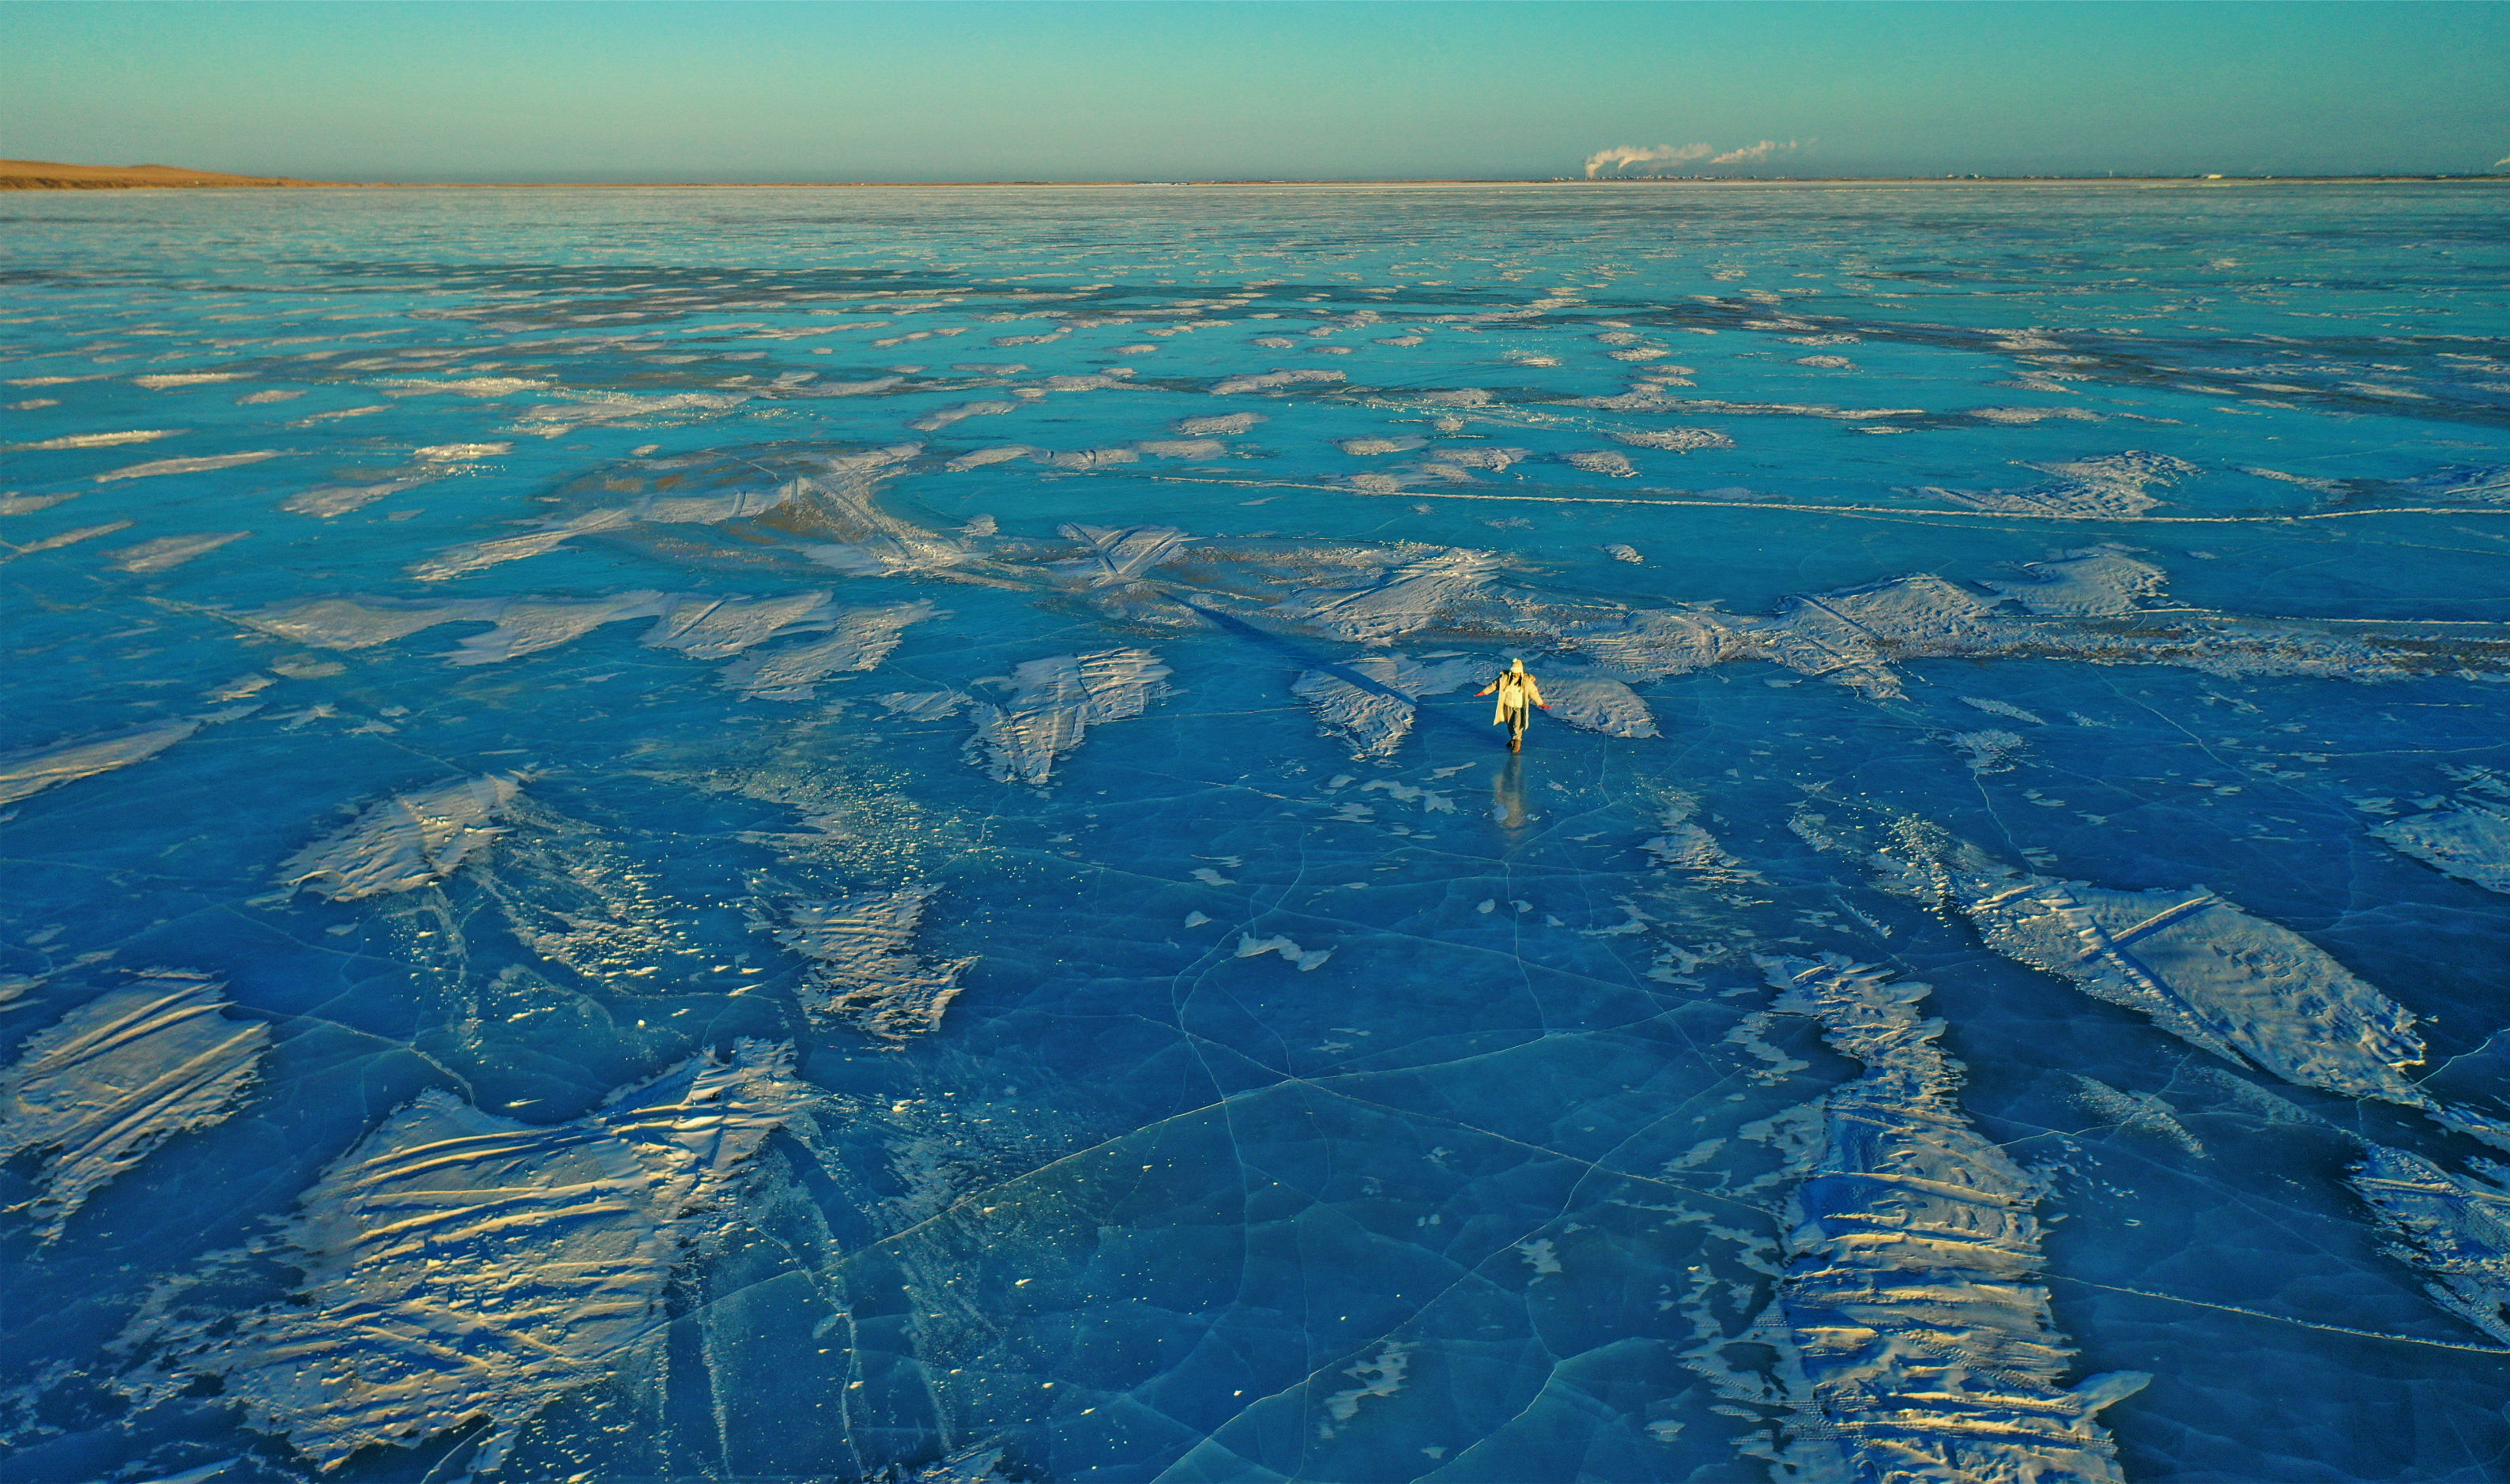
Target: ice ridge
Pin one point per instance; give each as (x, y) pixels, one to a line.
(1928, 1354)
(99, 1090)
(867, 971)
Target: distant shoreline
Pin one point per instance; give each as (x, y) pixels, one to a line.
(48, 176)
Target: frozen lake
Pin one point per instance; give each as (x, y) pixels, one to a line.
(843, 834)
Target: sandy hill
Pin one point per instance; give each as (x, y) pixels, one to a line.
(51, 175)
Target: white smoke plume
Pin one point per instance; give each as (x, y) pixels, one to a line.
(1751, 154)
(1620, 158)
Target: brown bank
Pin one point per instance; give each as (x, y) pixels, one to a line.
(51, 175)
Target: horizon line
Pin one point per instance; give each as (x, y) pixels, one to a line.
(224, 180)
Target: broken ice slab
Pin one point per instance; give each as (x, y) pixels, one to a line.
(457, 1266)
(1926, 1350)
(405, 842)
(867, 971)
(92, 1093)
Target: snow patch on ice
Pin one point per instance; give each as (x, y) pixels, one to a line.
(717, 628)
(2102, 582)
(2108, 487)
(526, 627)
(2239, 986)
(595, 409)
(866, 971)
(1379, 1375)
(205, 465)
(94, 1092)
(1232, 386)
(1599, 704)
(861, 639)
(1375, 718)
(2456, 1228)
(2470, 840)
(458, 1265)
(1120, 554)
(1250, 947)
(2141, 1111)
(1054, 704)
(1927, 1349)
(25, 774)
(1394, 601)
(1675, 439)
(1222, 425)
(405, 842)
(1601, 462)
(170, 550)
(326, 501)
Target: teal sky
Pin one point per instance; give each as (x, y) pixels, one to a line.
(1055, 91)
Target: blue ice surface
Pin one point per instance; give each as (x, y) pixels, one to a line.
(1196, 1078)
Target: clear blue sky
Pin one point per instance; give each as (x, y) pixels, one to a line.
(1330, 90)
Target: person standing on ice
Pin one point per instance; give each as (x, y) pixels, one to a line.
(1518, 695)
